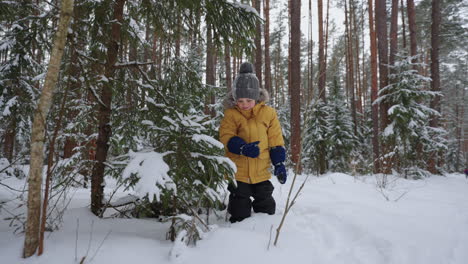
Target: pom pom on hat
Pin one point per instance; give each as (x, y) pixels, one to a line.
(246, 67)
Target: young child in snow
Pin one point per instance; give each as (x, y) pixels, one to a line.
(251, 133)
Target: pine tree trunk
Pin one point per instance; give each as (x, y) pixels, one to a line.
(403, 26)
(266, 13)
(258, 45)
(358, 71)
(38, 131)
(435, 76)
(295, 83)
(210, 68)
(9, 139)
(374, 90)
(310, 54)
(227, 63)
(382, 44)
(350, 67)
(321, 56)
(105, 130)
(394, 32)
(412, 28)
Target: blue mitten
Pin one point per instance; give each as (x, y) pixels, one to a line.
(251, 150)
(278, 156)
(235, 144)
(280, 172)
(238, 146)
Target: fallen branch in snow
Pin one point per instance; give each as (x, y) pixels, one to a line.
(194, 213)
(289, 205)
(108, 203)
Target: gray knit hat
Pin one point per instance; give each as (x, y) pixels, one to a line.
(246, 83)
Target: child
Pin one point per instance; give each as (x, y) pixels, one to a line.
(251, 133)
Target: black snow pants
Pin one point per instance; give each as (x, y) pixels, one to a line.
(240, 205)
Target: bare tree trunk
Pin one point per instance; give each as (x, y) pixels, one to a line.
(210, 68)
(38, 131)
(227, 63)
(358, 71)
(9, 139)
(381, 28)
(295, 83)
(435, 76)
(258, 45)
(403, 26)
(321, 56)
(350, 67)
(374, 90)
(266, 13)
(50, 163)
(412, 28)
(326, 34)
(394, 32)
(105, 130)
(177, 36)
(310, 61)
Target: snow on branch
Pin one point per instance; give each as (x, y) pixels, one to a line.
(152, 172)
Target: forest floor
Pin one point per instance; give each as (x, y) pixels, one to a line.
(337, 219)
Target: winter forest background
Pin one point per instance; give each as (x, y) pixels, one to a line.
(137, 98)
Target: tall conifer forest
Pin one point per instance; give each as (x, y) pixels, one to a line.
(133, 90)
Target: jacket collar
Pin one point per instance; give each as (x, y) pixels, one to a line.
(251, 113)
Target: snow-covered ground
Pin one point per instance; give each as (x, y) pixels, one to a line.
(337, 219)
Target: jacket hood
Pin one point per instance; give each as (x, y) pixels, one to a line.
(229, 101)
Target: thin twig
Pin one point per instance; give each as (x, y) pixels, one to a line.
(11, 188)
(90, 238)
(269, 240)
(194, 213)
(288, 204)
(100, 245)
(76, 238)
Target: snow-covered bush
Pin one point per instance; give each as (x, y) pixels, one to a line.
(174, 163)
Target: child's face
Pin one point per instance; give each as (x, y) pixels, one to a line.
(245, 103)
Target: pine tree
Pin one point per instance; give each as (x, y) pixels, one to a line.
(315, 141)
(408, 116)
(340, 136)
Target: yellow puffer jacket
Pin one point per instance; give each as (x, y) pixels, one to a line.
(258, 124)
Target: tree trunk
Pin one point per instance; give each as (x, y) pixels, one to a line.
(266, 13)
(210, 67)
(350, 67)
(403, 26)
(357, 52)
(374, 90)
(105, 130)
(258, 45)
(295, 83)
(9, 139)
(412, 28)
(321, 56)
(38, 131)
(381, 28)
(394, 32)
(435, 84)
(310, 54)
(227, 64)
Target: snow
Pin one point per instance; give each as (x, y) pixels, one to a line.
(209, 140)
(151, 170)
(337, 219)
